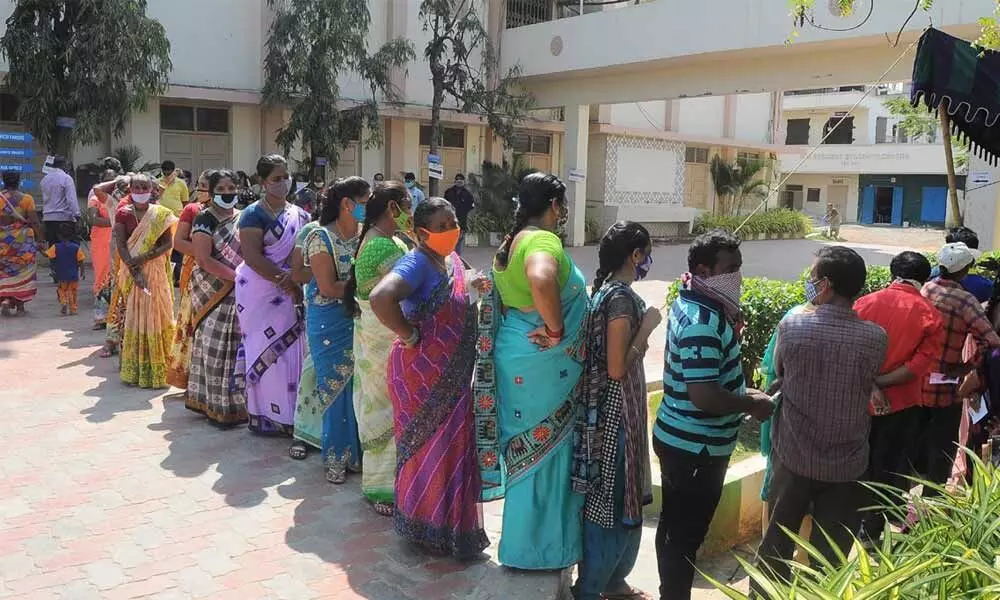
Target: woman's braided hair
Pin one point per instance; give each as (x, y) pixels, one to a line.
(534, 197)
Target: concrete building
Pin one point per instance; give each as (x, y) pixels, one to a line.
(634, 100)
(866, 165)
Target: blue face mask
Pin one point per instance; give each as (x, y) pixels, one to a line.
(811, 291)
(409, 185)
(359, 212)
(642, 269)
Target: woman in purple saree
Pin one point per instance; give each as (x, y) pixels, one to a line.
(268, 303)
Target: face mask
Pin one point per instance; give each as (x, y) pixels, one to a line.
(142, 198)
(729, 285)
(402, 220)
(443, 243)
(642, 269)
(359, 212)
(811, 292)
(459, 184)
(409, 185)
(280, 188)
(226, 201)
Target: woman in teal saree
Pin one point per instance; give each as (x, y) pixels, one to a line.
(526, 384)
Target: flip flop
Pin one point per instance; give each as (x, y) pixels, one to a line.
(632, 594)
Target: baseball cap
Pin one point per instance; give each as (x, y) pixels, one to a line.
(955, 257)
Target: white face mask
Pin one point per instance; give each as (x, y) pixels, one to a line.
(142, 198)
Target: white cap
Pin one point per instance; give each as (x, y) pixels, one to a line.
(955, 257)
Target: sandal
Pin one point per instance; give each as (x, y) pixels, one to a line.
(384, 509)
(336, 475)
(298, 450)
(631, 594)
(108, 351)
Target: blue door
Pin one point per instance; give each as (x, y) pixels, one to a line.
(897, 206)
(933, 205)
(868, 205)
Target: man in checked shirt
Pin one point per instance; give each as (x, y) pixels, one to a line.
(963, 315)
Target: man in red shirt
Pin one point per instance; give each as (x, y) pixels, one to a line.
(916, 336)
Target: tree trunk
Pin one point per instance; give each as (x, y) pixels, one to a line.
(956, 211)
(433, 185)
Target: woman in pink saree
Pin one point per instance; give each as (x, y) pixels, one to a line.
(268, 303)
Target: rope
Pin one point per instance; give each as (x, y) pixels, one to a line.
(813, 150)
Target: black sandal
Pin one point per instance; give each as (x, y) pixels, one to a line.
(298, 450)
(384, 509)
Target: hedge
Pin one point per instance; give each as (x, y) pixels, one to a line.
(778, 221)
(765, 301)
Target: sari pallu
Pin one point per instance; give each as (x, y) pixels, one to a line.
(180, 350)
(272, 327)
(216, 387)
(437, 482)
(148, 326)
(100, 257)
(525, 405)
(330, 423)
(17, 252)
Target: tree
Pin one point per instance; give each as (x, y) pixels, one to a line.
(989, 37)
(311, 44)
(736, 182)
(464, 69)
(916, 121)
(94, 61)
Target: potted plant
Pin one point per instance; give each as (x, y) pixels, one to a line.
(495, 189)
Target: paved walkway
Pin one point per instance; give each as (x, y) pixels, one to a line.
(113, 492)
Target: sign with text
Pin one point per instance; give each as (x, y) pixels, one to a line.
(47, 167)
(880, 159)
(980, 177)
(435, 170)
(434, 158)
(577, 175)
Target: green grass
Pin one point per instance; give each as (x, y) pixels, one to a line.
(747, 441)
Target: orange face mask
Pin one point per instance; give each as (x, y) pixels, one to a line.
(442, 242)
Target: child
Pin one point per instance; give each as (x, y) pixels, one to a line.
(611, 458)
(67, 260)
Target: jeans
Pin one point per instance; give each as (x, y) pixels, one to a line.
(891, 459)
(692, 486)
(835, 508)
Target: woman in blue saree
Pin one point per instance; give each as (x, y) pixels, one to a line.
(326, 420)
(526, 383)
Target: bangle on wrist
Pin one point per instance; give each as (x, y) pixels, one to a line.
(556, 335)
(413, 338)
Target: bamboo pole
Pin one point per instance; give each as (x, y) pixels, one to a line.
(956, 217)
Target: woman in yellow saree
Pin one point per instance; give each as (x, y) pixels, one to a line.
(145, 283)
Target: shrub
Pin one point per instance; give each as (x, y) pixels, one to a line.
(952, 551)
(778, 221)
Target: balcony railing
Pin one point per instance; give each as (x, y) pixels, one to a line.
(529, 12)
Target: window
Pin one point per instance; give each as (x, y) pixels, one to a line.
(191, 118)
(693, 154)
(8, 107)
(747, 156)
(524, 143)
(798, 132)
(451, 137)
(839, 132)
(812, 195)
(179, 118)
(215, 120)
(881, 128)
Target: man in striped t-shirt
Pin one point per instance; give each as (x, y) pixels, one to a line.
(704, 400)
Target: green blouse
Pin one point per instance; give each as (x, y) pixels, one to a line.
(374, 261)
(512, 282)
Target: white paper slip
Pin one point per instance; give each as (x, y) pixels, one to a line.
(941, 379)
(977, 415)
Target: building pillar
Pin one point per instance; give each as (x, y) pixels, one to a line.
(575, 159)
(729, 117)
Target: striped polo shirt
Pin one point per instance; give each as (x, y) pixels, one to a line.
(701, 347)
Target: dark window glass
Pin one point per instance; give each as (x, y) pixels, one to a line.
(541, 144)
(178, 118)
(813, 195)
(521, 143)
(425, 135)
(8, 107)
(798, 132)
(693, 154)
(451, 137)
(839, 132)
(213, 120)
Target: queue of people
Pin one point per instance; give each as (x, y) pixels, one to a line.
(360, 333)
